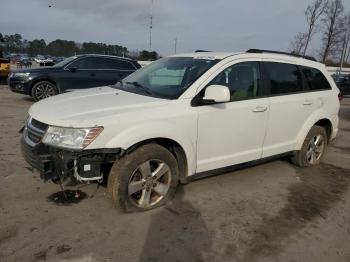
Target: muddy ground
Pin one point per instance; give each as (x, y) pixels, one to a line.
(270, 212)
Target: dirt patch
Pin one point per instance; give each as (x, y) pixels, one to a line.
(63, 249)
(41, 255)
(67, 197)
(320, 187)
(7, 233)
(347, 149)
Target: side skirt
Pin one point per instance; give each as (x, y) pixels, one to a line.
(223, 170)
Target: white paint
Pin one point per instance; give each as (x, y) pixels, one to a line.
(212, 136)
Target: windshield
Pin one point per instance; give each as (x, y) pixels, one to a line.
(166, 78)
(65, 61)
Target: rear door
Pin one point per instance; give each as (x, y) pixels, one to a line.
(320, 91)
(290, 106)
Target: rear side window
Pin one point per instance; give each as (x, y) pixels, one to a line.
(116, 64)
(315, 79)
(283, 78)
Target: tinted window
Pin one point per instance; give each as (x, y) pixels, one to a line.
(284, 78)
(315, 79)
(242, 79)
(117, 64)
(85, 63)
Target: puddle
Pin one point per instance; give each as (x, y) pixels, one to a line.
(67, 197)
(319, 189)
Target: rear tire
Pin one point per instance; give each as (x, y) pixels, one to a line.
(43, 89)
(144, 179)
(313, 148)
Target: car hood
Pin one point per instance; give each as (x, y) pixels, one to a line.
(89, 107)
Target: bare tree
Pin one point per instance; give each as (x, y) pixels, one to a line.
(346, 52)
(298, 43)
(332, 22)
(313, 12)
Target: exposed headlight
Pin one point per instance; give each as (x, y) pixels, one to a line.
(72, 138)
(21, 74)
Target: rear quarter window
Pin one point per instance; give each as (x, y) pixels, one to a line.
(117, 64)
(315, 79)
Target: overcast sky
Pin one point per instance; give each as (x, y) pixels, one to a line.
(221, 25)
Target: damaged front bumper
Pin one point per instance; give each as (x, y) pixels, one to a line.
(56, 164)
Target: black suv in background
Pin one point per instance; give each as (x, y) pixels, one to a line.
(343, 84)
(76, 72)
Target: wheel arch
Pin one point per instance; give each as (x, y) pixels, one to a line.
(319, 120)
(41, 80)
(173, 147)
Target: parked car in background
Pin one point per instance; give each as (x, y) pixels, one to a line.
(184, 117)
(4, 68)
(343, 84)
(39, 59)
(76, 72)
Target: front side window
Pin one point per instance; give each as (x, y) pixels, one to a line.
(243, 80)
(65, 61)
(167, 77)
(315, 79)
(85, 63)
(284, 78)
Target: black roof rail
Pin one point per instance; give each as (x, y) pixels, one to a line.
(200, 51)
(259, 51)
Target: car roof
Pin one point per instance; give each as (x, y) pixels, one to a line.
(107, 56)
(210, 55)
(263, 55)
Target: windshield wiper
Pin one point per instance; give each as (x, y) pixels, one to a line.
(143, 88)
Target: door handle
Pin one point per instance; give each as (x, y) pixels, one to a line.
(260, 109)
(307, 103)
(92, 74)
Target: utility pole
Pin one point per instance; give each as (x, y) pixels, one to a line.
(175, 45)
(343, 53)
(150, 27)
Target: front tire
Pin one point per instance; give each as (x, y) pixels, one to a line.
(43, 89)
(313, 148)
(144, 179)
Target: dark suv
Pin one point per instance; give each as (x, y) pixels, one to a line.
(343, 84)
(76, 72)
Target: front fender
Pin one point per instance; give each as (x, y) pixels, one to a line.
(146, 131)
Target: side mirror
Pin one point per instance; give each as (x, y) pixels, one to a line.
(73, 69)
(216, 94)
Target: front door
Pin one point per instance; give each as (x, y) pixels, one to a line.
(81, 74)
(232, 133)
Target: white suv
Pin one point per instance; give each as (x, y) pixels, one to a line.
(184, 117)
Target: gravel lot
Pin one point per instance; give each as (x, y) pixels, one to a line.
(270, 212)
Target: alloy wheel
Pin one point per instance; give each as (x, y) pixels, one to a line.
(44, 90)
(149, 183)
(315, 149)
